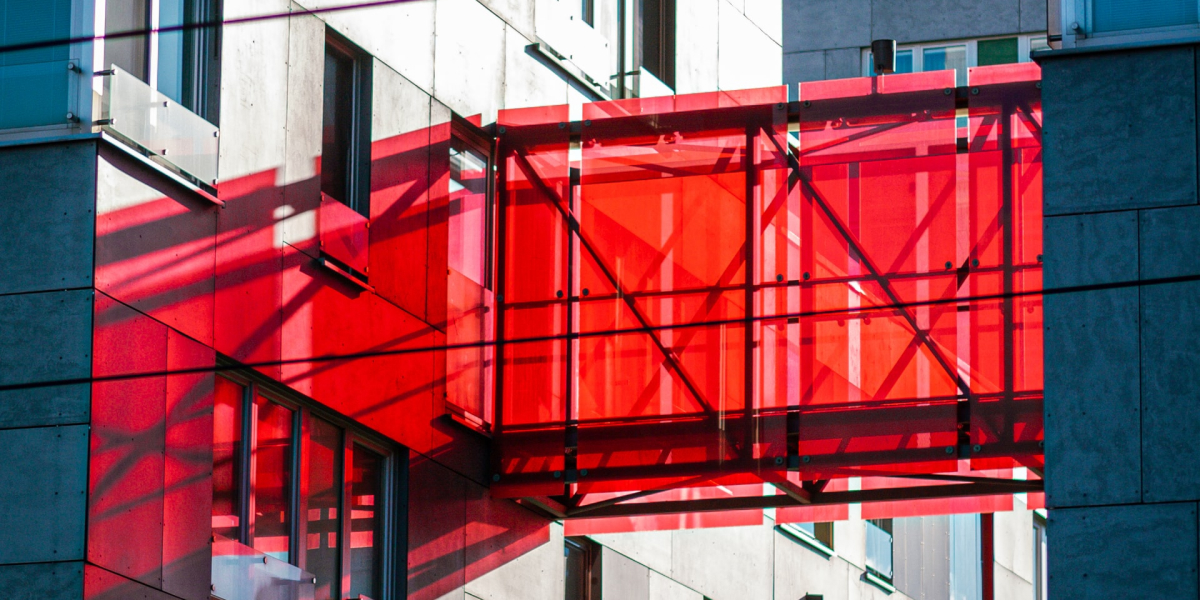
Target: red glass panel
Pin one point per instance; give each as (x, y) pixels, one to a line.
(227, 458)
(272, 479)
(366, 501)
(343, 234)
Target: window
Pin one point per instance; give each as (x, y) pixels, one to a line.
(182, 64)
(818, 536)
(879, 548)
(346, 124)
(587, 11)
(1125, 15)
(654, 31)
(1039, 558)
(581, 557)
(961, 55)
(470, 216)
(308, 489)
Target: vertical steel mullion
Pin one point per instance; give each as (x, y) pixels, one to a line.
(246, 487)
(344, 516)
(570, 429)
(298, 486)
(1007, 212)
(748, 430)
(501, 201)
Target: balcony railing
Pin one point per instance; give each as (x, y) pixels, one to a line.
(240, 572)
(879, 551)
(158, 126)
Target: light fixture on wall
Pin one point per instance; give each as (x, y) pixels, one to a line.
(884, 53)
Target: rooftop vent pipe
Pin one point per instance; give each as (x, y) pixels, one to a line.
(884, 53)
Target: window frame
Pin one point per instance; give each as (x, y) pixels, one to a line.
(393, 483)
(358, 152)
(592, 565)
(477, 139)
(1024, 45)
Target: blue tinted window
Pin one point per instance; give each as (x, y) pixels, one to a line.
(1122, 15)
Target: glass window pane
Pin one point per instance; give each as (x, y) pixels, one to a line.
(468, 211)
(1038, 43)
(227, 458)
(170, 50)
(904, 61)
(337, 124)
(366, 487)
(947, 57)
(128, 53)
(323, 531)
(1123, 15)
(997, 52)
(272, 479)
(575, 557)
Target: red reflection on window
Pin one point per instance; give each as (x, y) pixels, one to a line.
(272, 464)
(366, 486)
(322, 533)
(227, 458)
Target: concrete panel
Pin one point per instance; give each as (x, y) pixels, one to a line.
(1166, 242)
(729, 562)
(1090, 249)
(843, 63)
(401, 35)
(1146, 551)
(527, 82)
(1092, 398)
(663, 588)
(1103, 112)
(930, 20)
(747, 57)
(800, 570)
(824, 24)
(46, 337)
(799, 67)
(50, 190)
(767, 15)
(1009, 585)
(850, 541)
(301, 179)
(516, 13)
(1013, 546)
(436, 536)
(921, 557)
(253, 92)
(510, 552)
(43, 484)
(1170, 391)
(99, 584)
(42, 581)
(469, 59)
(650, 548)
(623, 578)
(696, 55)
(1033, 16)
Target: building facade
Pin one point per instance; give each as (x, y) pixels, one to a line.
(211, 207)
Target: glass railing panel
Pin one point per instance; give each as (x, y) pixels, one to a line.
(879, 550)
(159, 125)
(35, 94)
(240, 572)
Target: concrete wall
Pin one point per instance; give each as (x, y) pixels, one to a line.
(1122, 361)
(823, 39)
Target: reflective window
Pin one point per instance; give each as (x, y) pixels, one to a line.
(588, 12)
(366, 487)
(879, 547)
(579, 558)
(1125, 15)
(129, 52)
(1039, 558)
(272, 479)
(468, 211)
(322, 531)
(945, 58)
(821, 532)
(655, 39)
(997, 52)
(345, 132)
(227, 458)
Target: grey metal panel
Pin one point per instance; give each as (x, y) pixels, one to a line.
(930, 20)
(921, 558)
(43, 485)
(802, 66)
(1092, 398)
(843, 63)
(50, 191)
(42, 581)
(45, 336)
(1106, 116)
(824, 24)
(1146, 551)
(1170, 391)
(1166, 242)
(623, 578)
(1033, 15)
(1090, 249)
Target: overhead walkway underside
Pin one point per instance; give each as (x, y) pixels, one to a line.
(838, 297)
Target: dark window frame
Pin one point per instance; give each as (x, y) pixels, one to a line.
(392, 564)
(468, 134)
(356, 180)
(587, 12)
(590, 567)
(654, 38)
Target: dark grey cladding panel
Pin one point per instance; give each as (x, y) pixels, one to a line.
(1090, 249)
(1092, 398)
(1168, 242)
(1142, 551)
(46, 336)
(930, 20)
(43, 485)
(825, 24)
(1171, 392)
(921, 559)
(42, 581)
(47, 206)
(802, 66)
(1120, 130)
(1033, 15)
